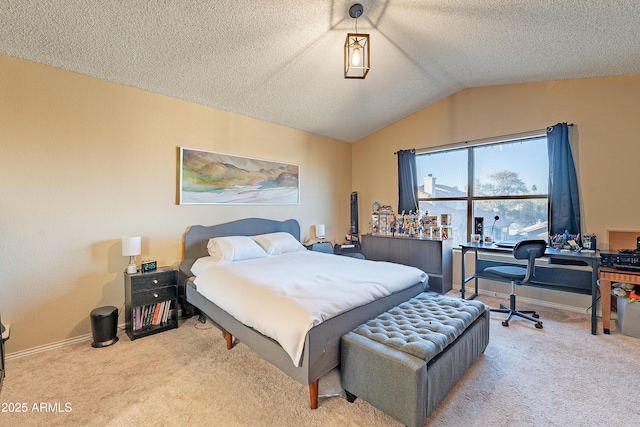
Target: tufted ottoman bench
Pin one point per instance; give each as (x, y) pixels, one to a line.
(406, 360)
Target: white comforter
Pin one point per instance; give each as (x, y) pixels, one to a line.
(283, 296)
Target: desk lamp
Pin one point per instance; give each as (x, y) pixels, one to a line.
(131, 248)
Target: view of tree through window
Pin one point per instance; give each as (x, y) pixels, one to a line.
(507, 179)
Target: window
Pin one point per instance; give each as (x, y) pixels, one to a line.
(508, 179)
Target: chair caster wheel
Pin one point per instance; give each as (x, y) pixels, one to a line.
(505, 323)
(535, 315)
(539, 325)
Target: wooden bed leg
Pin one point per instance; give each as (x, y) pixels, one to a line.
(313, 393)
(229, 340)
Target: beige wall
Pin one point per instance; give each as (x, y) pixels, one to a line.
(607, 136)
(606, 133)
(85, 162)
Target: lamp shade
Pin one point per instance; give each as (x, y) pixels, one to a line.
(131, 246)
(320, 230)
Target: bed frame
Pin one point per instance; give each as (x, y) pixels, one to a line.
(322, 344)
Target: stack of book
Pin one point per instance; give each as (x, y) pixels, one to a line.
(151, 315)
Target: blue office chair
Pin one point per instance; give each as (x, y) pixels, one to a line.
(529, 250)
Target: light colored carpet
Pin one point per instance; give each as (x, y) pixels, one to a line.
(558, 376)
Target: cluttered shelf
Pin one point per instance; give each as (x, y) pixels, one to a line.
(608, 276)
(621, 267)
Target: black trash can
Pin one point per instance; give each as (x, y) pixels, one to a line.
(104, 325)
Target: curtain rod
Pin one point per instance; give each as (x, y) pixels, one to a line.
(488, 139)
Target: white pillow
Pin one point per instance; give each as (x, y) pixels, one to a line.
(234, 248)
(278, 243)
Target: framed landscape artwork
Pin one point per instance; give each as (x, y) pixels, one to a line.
(207, 177)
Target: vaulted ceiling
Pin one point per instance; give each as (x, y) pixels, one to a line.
(282, 60)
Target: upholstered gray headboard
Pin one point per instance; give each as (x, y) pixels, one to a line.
(197, 237)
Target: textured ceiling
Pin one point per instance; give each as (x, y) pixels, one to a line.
(281, 60)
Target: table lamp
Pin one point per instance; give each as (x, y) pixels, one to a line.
(320, 231)
(131, 248)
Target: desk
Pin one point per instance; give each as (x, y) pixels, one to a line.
(608, 275)
(591, 259)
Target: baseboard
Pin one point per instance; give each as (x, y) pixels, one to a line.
(59, 344)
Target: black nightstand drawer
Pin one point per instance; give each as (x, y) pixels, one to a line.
(154, 295)
(153, 280)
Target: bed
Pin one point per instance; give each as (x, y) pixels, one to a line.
(321, 347)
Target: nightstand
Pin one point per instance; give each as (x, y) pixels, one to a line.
(351, 250)
(151, 302)
(321, 247)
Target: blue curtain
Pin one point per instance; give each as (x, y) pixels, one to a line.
(564, 200)
(407, 181)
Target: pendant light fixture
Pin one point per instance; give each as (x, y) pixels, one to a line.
(356, 49)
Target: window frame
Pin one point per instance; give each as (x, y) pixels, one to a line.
(470, 197)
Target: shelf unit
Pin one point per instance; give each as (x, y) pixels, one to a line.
(4, 335)
(433, 256)
(154, 291)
